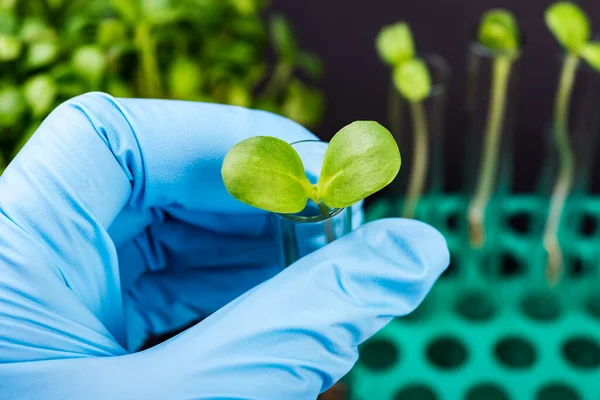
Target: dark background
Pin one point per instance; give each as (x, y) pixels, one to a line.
(342, 33)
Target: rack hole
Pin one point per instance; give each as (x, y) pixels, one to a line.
(510, 266)
(593, 306)
(557, 391)
(515, 352)
(582, 352)
(416, 392)
(452, 222)
(520, 222)
(475, 306)
(588, 225)
(447, 353)
(541, 306)
(577, 268)
(486, 391)
(379, 354)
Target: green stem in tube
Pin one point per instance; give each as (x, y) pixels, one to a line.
(394, 110)
(493, 133)
(420, 158)
(564, 181)
(328, 224)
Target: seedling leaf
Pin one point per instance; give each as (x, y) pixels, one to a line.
(499, 31)
(569, 24)
(591, 54)
(361, 159)
(267, 173)
(395, 44)
(412, 80)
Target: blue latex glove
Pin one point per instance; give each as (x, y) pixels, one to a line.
(114, 223)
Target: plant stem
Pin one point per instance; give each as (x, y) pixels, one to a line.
(328, 225)
(489, 161)
(394, 109)
(564, 181)
(279, 79)
(150, 85)
(420, 159)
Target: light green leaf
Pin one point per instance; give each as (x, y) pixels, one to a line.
(569, 24)
(161, 12)
(8, 4)
(591, 54)
(184, 78)
(12, 106)
(90, 63)
(40, 91)
(110, 32)
(245, 7)
(128, 9)
(10, 47)
(283, 39)
(412, 80)
(499, 31)
(35, 29)
(267, 173)
(361, 159)
(239, 95)
(8, 20)
(40, 54)
(395, 44)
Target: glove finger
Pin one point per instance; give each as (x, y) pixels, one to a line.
(296, 334)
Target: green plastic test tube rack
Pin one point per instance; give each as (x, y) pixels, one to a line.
(492, 328)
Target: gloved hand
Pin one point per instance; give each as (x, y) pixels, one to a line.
(114, 223)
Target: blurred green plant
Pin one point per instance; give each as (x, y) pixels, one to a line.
(571, 27)
(499, 35)
(199, 50)
(411, 79)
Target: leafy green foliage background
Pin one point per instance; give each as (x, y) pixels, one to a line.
(199, 50)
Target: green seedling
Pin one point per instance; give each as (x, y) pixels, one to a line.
(499, 34)
(395, 44)
(197, 50)
(411, 79)
(267, 173)
(571, 28)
